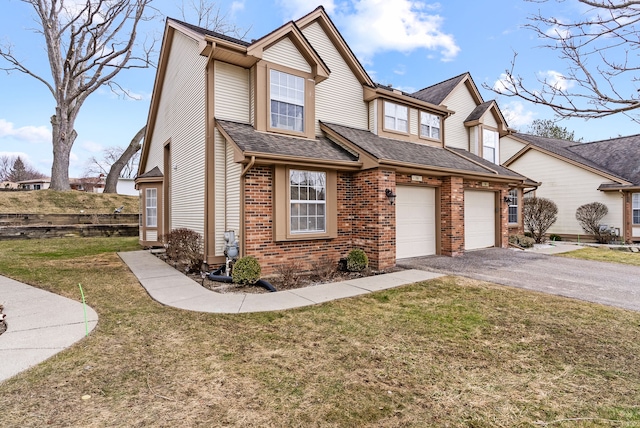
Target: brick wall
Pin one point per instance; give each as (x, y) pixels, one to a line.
(452, 216)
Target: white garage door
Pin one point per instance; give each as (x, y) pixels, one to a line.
(479, 219)
(415, 221)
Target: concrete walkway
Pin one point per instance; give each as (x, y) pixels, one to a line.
(39, 325)
(172, 288)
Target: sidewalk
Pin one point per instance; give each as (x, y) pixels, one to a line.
(39, 325)
(172, 288)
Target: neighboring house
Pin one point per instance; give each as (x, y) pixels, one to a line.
(126, 186)
(88, 184)
(574, 174)
(287, 141)
(8, 185)
(35, 184)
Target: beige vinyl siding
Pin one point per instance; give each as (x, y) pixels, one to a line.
(474, 140)
(461, 102)
(227, 188)
(232, 93)
(569, 187)
(509, 147)
(232, 203)
(220, 164)
(285, 53)
(413, 121)
(181, 119)
(489, 120)
(635, 232)
(252, 103)
(152, 235)
(373, 116)
(338, 98)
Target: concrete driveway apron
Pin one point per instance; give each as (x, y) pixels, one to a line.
(606, 283)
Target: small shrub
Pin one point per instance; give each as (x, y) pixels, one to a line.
(184, 246)
(290, 272)
(522, 241)
(589, 216)
(554, 237)
(323, 269)
(246, 271)
(539, 214)
(357, 260)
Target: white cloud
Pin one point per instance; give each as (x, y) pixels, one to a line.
(28, 134)
(556, 80)
(374, 26)
(22, 155)
(558, 32)
(92, 147)
(504, 84)
(236, 6)
(516, 115)
(400, 70)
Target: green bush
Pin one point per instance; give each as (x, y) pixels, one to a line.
(246, 270)
(522, 241)
(555, 237)
(357, 260)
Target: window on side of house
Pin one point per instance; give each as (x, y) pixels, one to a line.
(307, 196)
(513, 206)
(490, 145)
(287, 101)
(429, 125)
(151, 207)
(635, 207)
(396, 117)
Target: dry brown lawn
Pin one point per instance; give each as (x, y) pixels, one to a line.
(604, 254)
(451, 352)
(53, 202)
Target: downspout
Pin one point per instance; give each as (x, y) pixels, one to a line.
(243, 235)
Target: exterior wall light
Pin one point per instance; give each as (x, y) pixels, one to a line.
(508, 199)
(391, 196)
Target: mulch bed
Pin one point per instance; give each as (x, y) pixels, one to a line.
(288, 280)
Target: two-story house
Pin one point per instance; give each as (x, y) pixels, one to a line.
(287, 141)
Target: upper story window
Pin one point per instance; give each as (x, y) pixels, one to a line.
(490, 145)
(396, 117)
(636, 208)
(429, 125)
(287, 101)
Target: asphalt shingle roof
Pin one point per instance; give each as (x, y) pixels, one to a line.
(250, 140)
(477, 112)
(418, 154)
(435, 94)
(153, 173)
(206, 32)
(596, 155)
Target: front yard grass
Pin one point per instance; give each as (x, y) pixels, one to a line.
(604, 255)
(449, 352)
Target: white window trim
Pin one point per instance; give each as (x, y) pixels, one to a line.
(151, 211)
(513, 204)
(635, 206)
(316, 203)
(430, 127)
(398, 113)
(295, 97)
(494, 145)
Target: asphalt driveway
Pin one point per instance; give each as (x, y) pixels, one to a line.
(607, 283)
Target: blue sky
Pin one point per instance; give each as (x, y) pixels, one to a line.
(409, 44)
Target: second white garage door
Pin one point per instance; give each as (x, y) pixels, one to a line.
(415, 221)
(479, 219)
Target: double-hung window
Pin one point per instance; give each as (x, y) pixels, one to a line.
(308, 199)
(490, 145)
(513, 206)
(287, 101)
(635, 207)
(429, 125)
(151, 207)
(396, 117)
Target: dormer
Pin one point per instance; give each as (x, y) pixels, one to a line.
(398, 115)
(486, 125)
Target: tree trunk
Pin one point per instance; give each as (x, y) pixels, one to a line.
(115, 170)
(63, 137)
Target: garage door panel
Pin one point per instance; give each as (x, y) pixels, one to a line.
(479, 219)
(415, 221)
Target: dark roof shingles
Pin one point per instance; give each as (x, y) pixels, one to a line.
(619, 155)
(250, 140)
(435, 94)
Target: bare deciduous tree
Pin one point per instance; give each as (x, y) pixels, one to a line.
(13, 168)
(539, 214)
(88, 42)
(209, 15)
(589, 216)
(124, 162)
(600, 51)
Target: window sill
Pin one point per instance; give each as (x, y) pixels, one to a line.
(306, 237)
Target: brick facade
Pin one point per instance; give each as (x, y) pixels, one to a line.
(365, 220)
